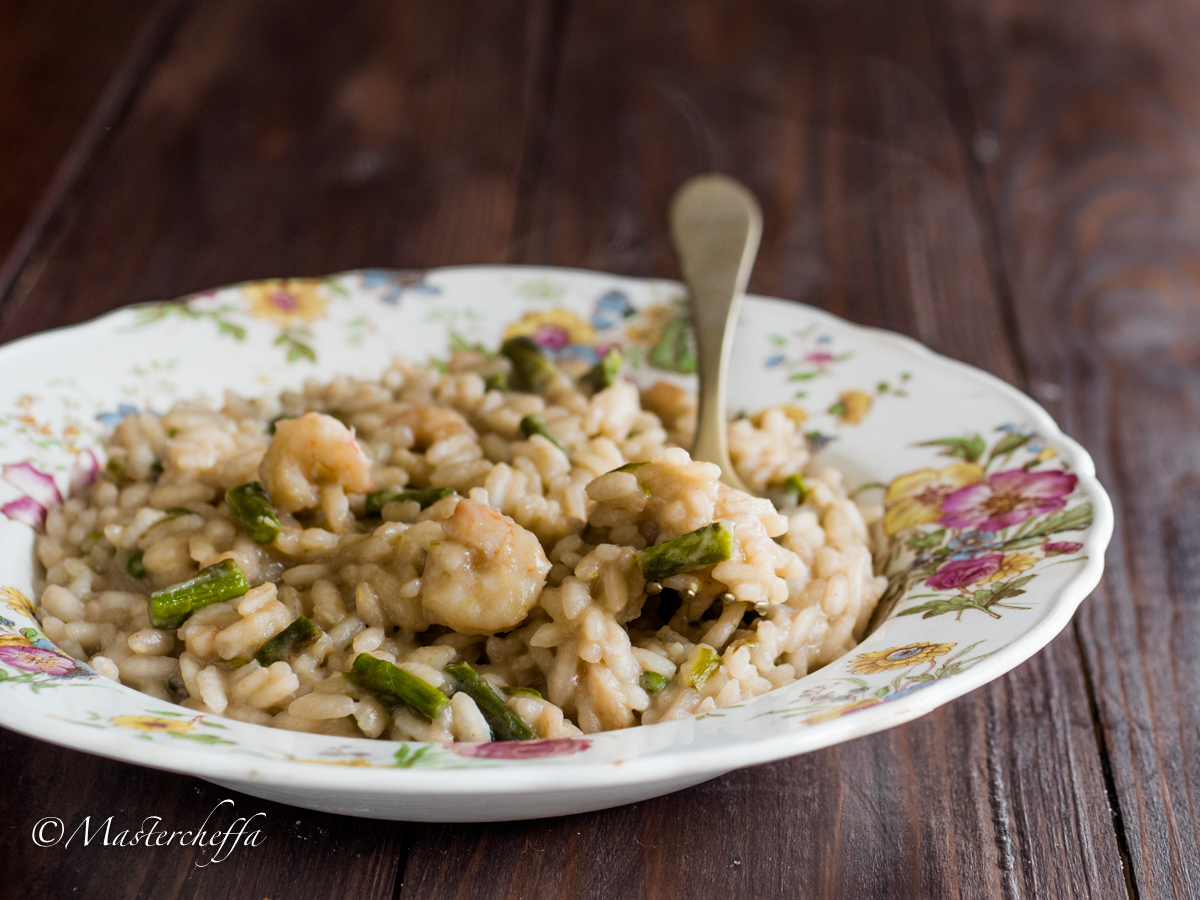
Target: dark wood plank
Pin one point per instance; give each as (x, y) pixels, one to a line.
(297, 853)
(837, 115)
(1088, 124)
(66, 70)
(274, 138)
(300, 138)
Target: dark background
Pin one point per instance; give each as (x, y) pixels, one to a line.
(1015, 183)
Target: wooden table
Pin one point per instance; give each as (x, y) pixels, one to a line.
(1015, 183)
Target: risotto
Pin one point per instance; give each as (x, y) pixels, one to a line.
(491, 549)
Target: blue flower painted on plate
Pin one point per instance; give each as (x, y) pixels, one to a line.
(972, 543)
(585, 352)
(113, 419)
(817, 441)
(393, 284)
(610, 309)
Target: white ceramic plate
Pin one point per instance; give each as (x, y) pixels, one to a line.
(998, 524)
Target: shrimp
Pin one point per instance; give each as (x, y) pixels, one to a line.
(486, 574)
(430, 424)
(307, 454)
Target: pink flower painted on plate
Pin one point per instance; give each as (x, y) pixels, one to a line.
(35, 659)
(83, 471)
(1006, 498)
(39, 490)
(961, 572)
(552, 337)
(523, 749)
(1061, 548)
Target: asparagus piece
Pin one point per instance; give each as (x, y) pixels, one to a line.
(377, 500)
(506, 725)
(697, 549)
(394, 685)
(497, 382)
(291, 640)
(653, 682)
(252, 507)
(523, 692)
(532, 424)
(222, 581)
(604, 373)
(531, 371)
(707, 662)
(795, 484)
(134, 565)
(275, 421)
(631, 466)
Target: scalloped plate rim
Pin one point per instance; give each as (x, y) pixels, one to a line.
(672, 762)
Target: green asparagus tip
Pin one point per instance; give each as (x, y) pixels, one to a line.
(377, 500)
(523, 692)
(532, 424)
(706, 664)
(222, 581)
(506, 725)
(252, 507)
(630, 466)
(653, 682)
(604, 373)
(291, 640)
(531, 371)
(795, 484)
(697, 549)
(134, 565)
(394, 685)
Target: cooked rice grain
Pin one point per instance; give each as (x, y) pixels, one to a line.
(529, 572)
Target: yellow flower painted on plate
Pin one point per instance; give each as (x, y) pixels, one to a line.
(1045, 454)
(288, 301)
(16, 601)
(15, 640)
(898, 657)
(838, 711)
(647, 328)
(565, 322)
(852, 407)
(153, 723)
(916, 498)
(1013, 565)
(795, 413)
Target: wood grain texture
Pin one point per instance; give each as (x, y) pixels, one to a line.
(836, 116)
(66, 69)
(272, 138)
(1090, 127)
(962, 172)
(291, 138)
(300, 853)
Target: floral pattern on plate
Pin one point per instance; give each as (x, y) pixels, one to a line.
(991, 535)
(973, 533)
